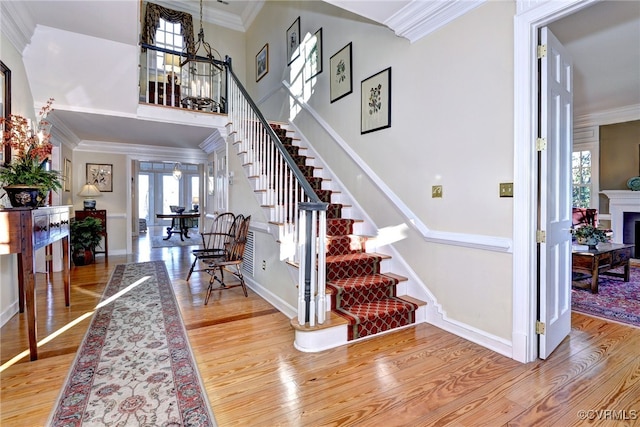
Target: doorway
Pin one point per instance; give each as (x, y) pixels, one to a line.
(527, 118)
(158, 188)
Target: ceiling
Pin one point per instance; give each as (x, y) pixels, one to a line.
(604, 40)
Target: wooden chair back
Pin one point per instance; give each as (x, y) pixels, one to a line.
(235, 250)
(219, 233)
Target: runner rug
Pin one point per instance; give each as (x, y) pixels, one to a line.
(134, 366)
(616, 299)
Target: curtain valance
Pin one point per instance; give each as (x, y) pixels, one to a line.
(152, 17)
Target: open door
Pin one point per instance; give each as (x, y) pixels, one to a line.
(554, 174)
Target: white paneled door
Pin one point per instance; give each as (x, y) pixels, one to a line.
(556, 125)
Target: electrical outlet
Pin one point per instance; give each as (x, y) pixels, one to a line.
(506, 189)
(264, 264)
(436, 191)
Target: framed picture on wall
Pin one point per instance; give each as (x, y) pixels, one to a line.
(100, 175)
(293, 41)
(5, 108)
(313, 53)
(340, 80)
(262, 62)
(375, 107)
(67, 176)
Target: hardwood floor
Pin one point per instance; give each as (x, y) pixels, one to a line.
(421, 376)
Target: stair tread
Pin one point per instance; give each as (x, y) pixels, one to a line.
(366, 280)
(355, 256)
(383, 307)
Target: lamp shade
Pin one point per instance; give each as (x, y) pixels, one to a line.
(195, 200)
(89, 190)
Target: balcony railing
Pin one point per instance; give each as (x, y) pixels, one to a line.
(160, 82)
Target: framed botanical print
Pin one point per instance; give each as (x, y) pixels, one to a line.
(313, 53)
(341, 81)
(293, 41)
(100, 175)
(375, 108)
(262, 62)
(67, 176)
(5, 108)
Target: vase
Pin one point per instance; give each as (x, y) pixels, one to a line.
(592, 242)
(82, 257)
(25, 196)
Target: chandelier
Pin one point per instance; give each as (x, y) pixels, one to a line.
(177, 171)
(197, 73)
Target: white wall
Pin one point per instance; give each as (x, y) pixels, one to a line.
(21, 103)
(452, 125)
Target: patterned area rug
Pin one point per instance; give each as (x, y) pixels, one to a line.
(134, 366)
(159, 242)
(616, 300)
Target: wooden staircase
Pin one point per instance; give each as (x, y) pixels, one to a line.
(364, 300)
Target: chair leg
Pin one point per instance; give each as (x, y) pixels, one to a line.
(241, 277)
(206, 298)
(212, 273)
(195, 261)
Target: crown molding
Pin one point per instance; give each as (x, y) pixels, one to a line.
(214, 142)
(143, 152)
(210, 15)
(607, 117)
(16, 23)
(421, 18)
(61, 132)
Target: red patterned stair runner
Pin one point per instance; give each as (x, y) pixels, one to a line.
(359, 292)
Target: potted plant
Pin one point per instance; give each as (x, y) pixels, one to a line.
(590, 235)
(85, 237)
(26, 178)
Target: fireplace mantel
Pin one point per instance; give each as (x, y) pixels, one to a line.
(621, 201)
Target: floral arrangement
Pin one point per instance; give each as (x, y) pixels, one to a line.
(587, 232)
(31, 150)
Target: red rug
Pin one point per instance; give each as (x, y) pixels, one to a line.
(616, 300)
(134, 366)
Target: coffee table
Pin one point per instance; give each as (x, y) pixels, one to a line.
(601, 260)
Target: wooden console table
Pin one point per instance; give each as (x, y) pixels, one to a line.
(598, 261)
(23, 231)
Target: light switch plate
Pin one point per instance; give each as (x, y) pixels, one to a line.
(506, 189)
(436, 191)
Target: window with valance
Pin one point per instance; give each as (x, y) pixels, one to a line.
(152, 16)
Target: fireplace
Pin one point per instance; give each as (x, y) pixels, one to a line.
(631, 230)
(624, 207)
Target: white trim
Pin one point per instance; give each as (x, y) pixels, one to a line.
(16, 24)
(616, 115)
(476, 241)
(421, 18)
(11, 311)
(144, 152)
(588, 139)
(531, 17)
(621, 201)
(433, 313)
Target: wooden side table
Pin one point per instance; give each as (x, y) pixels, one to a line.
(100, 214)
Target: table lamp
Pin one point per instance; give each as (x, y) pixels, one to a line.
(196, 203)
(89, 192)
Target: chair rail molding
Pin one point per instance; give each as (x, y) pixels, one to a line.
(476, 241)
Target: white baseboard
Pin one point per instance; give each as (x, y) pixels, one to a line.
(9, 313)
